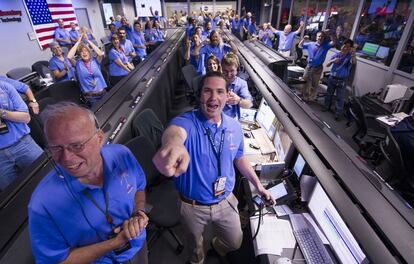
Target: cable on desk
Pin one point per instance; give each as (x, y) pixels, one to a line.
(260, 220)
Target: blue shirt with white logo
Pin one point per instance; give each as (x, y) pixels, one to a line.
(90, 76)
(115, 69)
(207, 50)
(285, 41)
(62, 34)
(197, 182)
(10, 100)
(137, 38)
(317, 52)
(56, 64)
(342, 68)
(70, 220)
(239, 87)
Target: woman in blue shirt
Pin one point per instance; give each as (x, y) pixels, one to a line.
(150, 36)
(118, 61)
(61, 67)
(88, 69)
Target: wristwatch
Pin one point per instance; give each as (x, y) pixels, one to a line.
(3, 113)
(33, 101)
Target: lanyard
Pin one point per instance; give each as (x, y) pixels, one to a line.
(108, 217)
(220, 150)
(89, 68)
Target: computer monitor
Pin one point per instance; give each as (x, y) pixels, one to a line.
(266, 118)
(283, 144)
(370, 48)
(314, 26)
(248, 115)
(382, 52)
(330, 222)
(299, 165)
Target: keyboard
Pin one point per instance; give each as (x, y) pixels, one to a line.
(266, 146)
(309, 242)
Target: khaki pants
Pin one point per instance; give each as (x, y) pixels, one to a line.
(312, 77)
(226, 224)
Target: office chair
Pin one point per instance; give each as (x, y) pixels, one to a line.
(160, 193)
(18, 73)
(300, 61)
(392, 169)
(368, 134)
(65, 91)
(189, 72)
(147, 124)
(41, 67)
(36, 125)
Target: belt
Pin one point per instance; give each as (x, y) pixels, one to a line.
(338, 78)
(194, 202)
(15, 143)
(101, 92)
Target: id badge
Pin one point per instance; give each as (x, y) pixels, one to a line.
(93, 83)
(219, 186)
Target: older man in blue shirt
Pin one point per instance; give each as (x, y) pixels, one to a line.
(17, 148)
(316, 56)
(286, 38)
(341, 67)
(200, 149)
(98, 214)
(62, 35)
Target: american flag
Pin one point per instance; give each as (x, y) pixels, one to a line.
(44, 15)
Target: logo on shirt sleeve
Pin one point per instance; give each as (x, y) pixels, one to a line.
(123, 175)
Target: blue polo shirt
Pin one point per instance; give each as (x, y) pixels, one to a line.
(285, 41)
(197, 182)
(56, 64)
(160, 35)
(71, 220)
(235, 26)
(252, 29)
(115, 69)
(137, 39)
(189, 31)
(128, 47)
(247, 22)
(239, 87)
(342, 68)
(209, 49)
(90, 76)
(74, 35)
(317, 52)
(10, 100)
(150, 35)
(205, 34)
(266, 38)
(19, 86)
(62, 33)
(193, 59)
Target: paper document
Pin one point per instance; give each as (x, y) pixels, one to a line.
(282, 210)
(392, 120)
(274, 235)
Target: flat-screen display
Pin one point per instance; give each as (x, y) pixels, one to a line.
(266, 118)
(382, 52)
(328, 219)
(370, 49)
(299, 165)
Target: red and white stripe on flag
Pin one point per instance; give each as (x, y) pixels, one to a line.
(44, 15)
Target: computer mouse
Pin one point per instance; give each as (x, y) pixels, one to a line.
(284, 261)
(247, 134)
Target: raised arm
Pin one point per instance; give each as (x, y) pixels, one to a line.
(172, 159)
(297, 32)
(72, 51)
(99, 53)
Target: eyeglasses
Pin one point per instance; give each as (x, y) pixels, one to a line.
(74, 147)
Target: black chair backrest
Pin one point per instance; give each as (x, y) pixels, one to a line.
(392, 153)
(189, 72)
(147, 124)
(45, 102)
(18, 73)
(41, 67)
(143, 151)
(357, 112)
(65, 91)
(36, 131)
